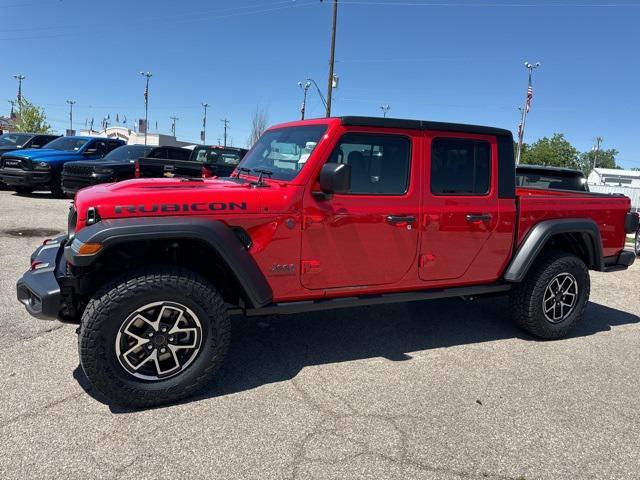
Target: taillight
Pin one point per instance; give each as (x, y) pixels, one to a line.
(137, 169)
(206, 172)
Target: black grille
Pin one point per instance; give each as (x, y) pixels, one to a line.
(16, 162)
(78, 170)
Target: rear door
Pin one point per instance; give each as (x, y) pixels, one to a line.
(460, 207)
(368, 235)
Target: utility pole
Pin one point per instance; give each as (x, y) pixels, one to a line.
(596, 149)
(20, 78)
(525, 109)
(305, 87)
(71, 103)
(13, 104)
(332, 55)
(173, 125)
(146, 104)
(226, 125)
(203, 133)
(385, 109)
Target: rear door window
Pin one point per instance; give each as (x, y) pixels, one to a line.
(460, 166)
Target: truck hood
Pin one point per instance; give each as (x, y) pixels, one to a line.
(167, 197)
(44, 154)
(103, 163)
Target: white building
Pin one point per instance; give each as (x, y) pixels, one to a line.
(131, 137)
(614, 178)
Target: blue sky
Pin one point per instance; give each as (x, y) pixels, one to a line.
(438, 60)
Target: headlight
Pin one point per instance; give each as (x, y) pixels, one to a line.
(42, 166)
(103, 170)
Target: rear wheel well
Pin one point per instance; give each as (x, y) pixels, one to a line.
(578, 243)
(193, 254)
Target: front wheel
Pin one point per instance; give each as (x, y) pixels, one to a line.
(637, 243)
(153, 337)
(23, 190)
(56, 188)
(550, 301)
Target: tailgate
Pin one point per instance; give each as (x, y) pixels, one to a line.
(609, 212)
(158, 167)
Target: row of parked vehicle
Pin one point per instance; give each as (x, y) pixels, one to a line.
(64, 165)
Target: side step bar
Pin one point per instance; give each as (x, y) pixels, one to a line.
(285, 308)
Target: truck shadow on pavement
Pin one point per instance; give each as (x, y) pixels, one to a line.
(275, 349)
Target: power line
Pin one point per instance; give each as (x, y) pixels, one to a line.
(492, 5)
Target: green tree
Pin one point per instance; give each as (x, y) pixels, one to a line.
(554, 152)
(605, 159)
(31, 118)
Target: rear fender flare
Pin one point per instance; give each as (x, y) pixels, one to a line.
(213, 233)
(539, 236)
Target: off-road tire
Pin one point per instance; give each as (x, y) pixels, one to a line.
(113, 303)
(636, 244)
(526, 298)
(56, 188)
(23, 190)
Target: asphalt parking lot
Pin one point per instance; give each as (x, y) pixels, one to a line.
(438, 390)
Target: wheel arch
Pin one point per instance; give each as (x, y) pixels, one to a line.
(580, 237)
(211, 239)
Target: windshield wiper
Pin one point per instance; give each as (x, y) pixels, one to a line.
(242, 169)
(262, 172)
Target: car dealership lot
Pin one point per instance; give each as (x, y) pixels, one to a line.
(444, 389)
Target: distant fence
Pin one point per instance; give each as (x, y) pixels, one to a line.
(632, 193)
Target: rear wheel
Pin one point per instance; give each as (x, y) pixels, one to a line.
(153, 337)
(550, 301)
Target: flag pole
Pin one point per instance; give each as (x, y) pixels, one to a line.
(527, 105)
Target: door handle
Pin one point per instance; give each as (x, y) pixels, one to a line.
(483, 217)
(401, 219)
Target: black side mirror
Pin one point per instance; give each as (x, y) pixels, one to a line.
(335, 178)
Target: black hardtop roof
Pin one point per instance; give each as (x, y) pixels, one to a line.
(423, 125)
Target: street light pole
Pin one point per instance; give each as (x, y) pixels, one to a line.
(20, 78)
(525, 109)
(305, 87)
(203, 134)
(146, 104)
(226, 125)
(71, 102)
(385, 109)
(596, 149)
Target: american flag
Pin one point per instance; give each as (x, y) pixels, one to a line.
(529, 97)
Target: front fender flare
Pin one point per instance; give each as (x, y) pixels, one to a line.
(214, 233)
(542, 232)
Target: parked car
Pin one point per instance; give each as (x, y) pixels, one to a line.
(204, 161)
(117, 165)
(16, 141)
(320, 214)
(538, 176)
(26, 170)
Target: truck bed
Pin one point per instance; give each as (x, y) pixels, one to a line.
(607, 211)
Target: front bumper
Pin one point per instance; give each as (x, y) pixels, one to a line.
(38, 289)
(24, 178)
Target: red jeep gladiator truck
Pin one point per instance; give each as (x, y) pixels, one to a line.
(320, 214)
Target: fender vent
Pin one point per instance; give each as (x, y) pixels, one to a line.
(243, 236)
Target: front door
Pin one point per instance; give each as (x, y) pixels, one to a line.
(460, 207)
(368, 235)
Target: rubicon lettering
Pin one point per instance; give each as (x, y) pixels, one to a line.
(177, 207)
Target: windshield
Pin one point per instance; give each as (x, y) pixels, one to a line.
(217, 156)
(14, 139)
(283, 151)
(69, 144)
(128, 152)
